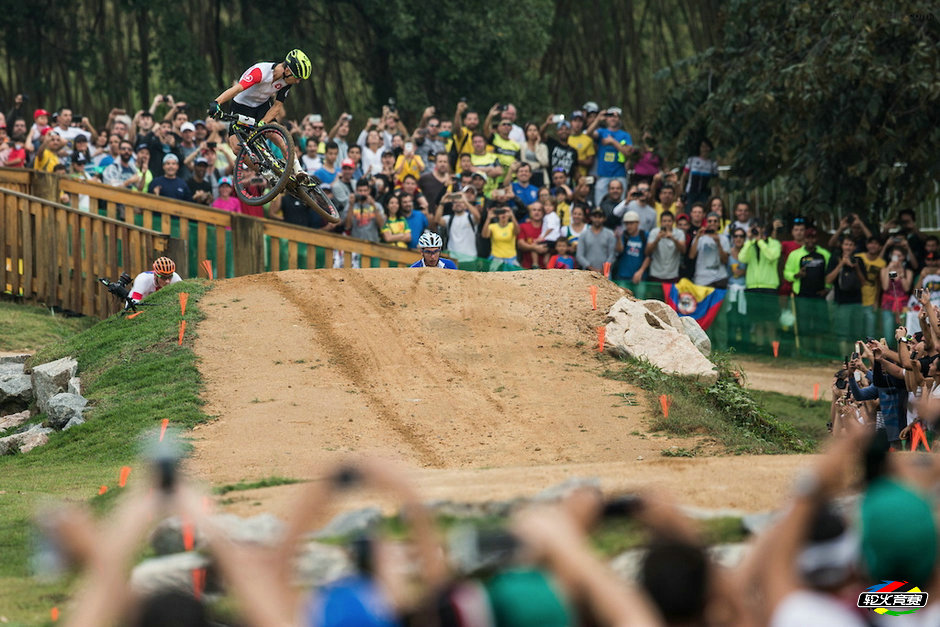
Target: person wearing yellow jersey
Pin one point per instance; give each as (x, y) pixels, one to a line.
(667, 201)
(466, 123)
(872, 263)
(501, 228)
(408, 163)
(505, 149)
(581, 142)
(486, 163)
(47, 157)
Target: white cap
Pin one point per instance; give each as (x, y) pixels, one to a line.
(631, 216)
(187, 126)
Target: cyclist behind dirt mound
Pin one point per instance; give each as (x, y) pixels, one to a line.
(430, 244)
(261, 91)
(149, 281)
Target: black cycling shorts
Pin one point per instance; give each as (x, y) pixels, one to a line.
(253, 112)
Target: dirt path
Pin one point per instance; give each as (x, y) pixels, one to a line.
(789, 379)
(485, 383)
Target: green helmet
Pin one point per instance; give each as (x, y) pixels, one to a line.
(298, 63)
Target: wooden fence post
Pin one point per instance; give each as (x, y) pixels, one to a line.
(247, 245)
(177, 249)
(45, 185)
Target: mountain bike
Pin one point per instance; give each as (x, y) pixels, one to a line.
(264, 167)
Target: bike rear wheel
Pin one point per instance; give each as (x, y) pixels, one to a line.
(314, 197)
(264, 165)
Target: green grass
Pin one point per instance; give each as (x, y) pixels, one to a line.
(724, 411)
(27, 327)
(806, 415)
(267, 482)
(613, 536)
(134, 374)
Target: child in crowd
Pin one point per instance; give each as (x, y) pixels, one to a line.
(226, 201)
(551, 224)
(562, 259)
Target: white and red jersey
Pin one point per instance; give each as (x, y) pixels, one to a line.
(260, 86)
(145, 284)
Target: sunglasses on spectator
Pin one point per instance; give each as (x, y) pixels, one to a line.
(799, 220)
(433, 125)
(736, 235)
(316, 126)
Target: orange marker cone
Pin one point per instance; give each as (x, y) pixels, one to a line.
(184, 296)
(815, 391)
(606, 269)
(199, 582)
(54, 614)
(776, 347)
(189, 536)
(163, 426)
(134, 315)
(664, 403)
(593, 297)
(207, 266)
(122, 478)
(182, 331)
(102, 490)
(601, 336)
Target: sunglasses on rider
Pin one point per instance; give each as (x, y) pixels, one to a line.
(430, 251)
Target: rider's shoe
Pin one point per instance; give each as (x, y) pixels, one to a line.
(300, 178)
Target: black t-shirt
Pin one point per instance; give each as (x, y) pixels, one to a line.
(561, 156)
(297, 212)
(432, 189)
(814, 281)
(847, 286)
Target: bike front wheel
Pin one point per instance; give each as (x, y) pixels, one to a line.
(264, 165)
(314, 197)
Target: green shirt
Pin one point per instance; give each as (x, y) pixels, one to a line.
(793, 265)
(761, 257)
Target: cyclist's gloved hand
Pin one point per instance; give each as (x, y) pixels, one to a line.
(214, 110)
(259, 124)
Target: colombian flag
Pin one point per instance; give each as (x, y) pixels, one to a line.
(688, 299)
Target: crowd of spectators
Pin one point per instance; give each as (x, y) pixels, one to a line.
(496, 190)
(811, 565)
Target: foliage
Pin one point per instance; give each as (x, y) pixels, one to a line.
(838, 97)
(723, 410)
(267, 482)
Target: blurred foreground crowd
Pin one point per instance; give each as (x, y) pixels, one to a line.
(811, 565)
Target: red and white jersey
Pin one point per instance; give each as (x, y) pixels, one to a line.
(145, 284)
(260, 86)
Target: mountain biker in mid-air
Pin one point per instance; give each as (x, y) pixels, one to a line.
(262, 89)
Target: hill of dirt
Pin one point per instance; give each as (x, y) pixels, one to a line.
(487, 384)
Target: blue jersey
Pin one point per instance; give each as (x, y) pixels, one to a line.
(528, 194)
(610, 161)
(441, 263)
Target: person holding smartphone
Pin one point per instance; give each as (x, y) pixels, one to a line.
(408, 163)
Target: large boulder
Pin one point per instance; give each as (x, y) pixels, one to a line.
(52, 378)
(634, 331)
(695, 332)
(63, 408)
(263, 529)
(167, 572)
(16, 392)
(24, 441)
(350, 523)
(13, 420)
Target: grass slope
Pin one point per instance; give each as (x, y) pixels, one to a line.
(135, 374)
(26, 327)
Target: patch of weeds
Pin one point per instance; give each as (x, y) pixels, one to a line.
(676, 451)
(267, 482)
(300, 361)
(499, 389)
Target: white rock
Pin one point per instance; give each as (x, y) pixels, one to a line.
(51, 379)
(16, 392)
(64, 407)
(13, 420)
(664, 312)
(695, 332)
(75, 386)
(635, 331)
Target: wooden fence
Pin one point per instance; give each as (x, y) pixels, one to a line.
(53, 254)
(235, 244)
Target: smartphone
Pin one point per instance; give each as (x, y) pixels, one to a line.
(558, 118)
(589, 180)
(409, 147)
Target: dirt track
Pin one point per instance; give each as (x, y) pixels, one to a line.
(485, 383)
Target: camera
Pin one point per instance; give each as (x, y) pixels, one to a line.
(211, 144)
(119, 289)
(842, 383)
(893, 274)
(360, 198)
(709, 231)
(391, 105)
(502, 107)
(463, 99)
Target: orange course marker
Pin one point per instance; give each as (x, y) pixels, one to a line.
(184, 297)
(102, 490)
(189, 536)
(815, 391)
(163, 425)
(664, 403)
(601, 336)
(918, 436)
(207, 266)
(122, 478)
(134, 315)
(776, 346)
(182, 331)
(607, 269)
(199, 582)
(593, 297)
(54, 614)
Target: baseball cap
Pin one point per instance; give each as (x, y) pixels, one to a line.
(187, 126)
(326, 187)
(577, 113)
(140, 147)
(590, 107)
(481, 175)
(201, 161)
(79, 157)
(631, 216)
(316, 118)
(225, 180)
(81, 137)
(564, 123)
(615, 110)
(597, 211)
(348, 163)
(170, 157)
(46, 130)
(39, 112)
(199, 123)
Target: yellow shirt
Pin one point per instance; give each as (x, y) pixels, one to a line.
(563, 210)
(503, 240)
(46, 161)
(413, 166)
(660, 209)
(463, 140)
(506, 151)
(872, 272)
(396, 226)
(585, 147)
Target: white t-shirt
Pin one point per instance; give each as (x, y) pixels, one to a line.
(708, 266)
(461, 236)
(804, 608)
(551, 227)
(664, 262)
(145, 284)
